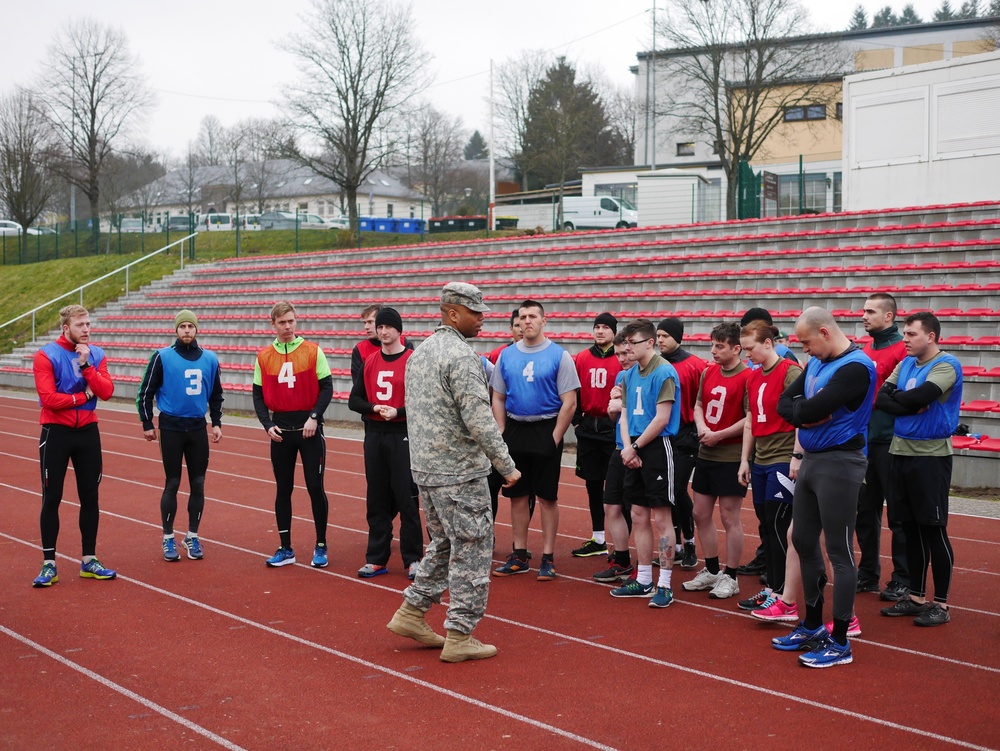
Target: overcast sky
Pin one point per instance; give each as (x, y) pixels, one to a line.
(220, 57)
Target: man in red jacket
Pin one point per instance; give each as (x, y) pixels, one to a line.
(70, 376)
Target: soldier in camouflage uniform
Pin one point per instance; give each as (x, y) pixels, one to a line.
(453, 441)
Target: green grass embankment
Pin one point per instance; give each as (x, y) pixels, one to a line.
(26, 285)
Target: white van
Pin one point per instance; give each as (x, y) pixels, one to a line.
(598, 212)
(215, 222)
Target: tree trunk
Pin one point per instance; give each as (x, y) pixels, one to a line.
(95, 221)
(352, 212)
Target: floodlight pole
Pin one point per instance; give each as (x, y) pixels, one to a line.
(491, 219)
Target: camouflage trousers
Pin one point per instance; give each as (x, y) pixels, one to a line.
(459, 555)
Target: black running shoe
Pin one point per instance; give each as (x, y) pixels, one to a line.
(894, 592)
(756, 567)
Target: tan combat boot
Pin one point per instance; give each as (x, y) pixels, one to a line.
(409, 622)
(459, 647)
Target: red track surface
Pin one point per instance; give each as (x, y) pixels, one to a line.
(225, 652)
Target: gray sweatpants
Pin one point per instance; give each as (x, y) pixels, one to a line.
(826, 500)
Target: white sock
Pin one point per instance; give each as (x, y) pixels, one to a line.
(599, 537)
(87, 558)
(193, 535)
(169, 536)
(645, 574)
(49, 560)
(665, 577)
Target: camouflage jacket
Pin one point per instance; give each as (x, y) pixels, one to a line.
(453, 435)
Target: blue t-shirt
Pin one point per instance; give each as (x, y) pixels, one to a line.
(531, 380)
(641, 395)
(187, 384)
(940, 419)
(844, 424)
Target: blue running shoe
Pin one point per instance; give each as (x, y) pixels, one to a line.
(827, 654)
(801, 638)
(94, 570)
(370, 570)
(193, 547)
(170, 550)
(320, 558)
(282, 557)
(48, 577)
(546, 571)
(514, 565)
(634, 589)
(662, 598)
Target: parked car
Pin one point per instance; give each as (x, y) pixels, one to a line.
(215, 222)
(41, 231)
(250, 221)
(130, 226)
(340, 222)
(312, 221)
(178, 224)
(277, 220)
(8, 227)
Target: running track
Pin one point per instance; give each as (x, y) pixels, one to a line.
(227, 653)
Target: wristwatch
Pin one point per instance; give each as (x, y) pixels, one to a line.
(798, 455)
(314, 416)
(635, 446)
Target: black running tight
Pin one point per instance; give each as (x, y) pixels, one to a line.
(59, 445)
(928, 544)
(283, 455)
(192, 446)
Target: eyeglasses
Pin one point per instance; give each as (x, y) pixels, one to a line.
(637, 341)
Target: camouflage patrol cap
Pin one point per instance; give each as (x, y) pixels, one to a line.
(460, 293)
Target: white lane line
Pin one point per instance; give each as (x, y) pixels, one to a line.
(108, 683)
(556, 634)
(322, 648)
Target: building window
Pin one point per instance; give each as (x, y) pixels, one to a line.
(813, 197)
(716, 147)
(685, 149)
(413, 212)
(840, 110)
(838, 191)
(388, 210)
(805, 112)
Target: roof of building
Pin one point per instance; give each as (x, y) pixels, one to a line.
(858, 35)
(286, 179)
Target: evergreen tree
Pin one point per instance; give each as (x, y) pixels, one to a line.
(566, 128)
(969, 9)
(994, 9)
(945, 12)
(909, 16)
(476, 149)
(859, 20)
(885, 17)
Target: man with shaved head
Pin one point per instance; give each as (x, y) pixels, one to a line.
(830, 404)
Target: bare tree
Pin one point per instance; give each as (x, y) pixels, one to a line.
(94, 94)
(734, 67)
(437, 151)
(263, 141)
(360, 64)
(620, 107)
(515, 80)
(25, 140)
(210, 142)
(126, 181)
(186, 186)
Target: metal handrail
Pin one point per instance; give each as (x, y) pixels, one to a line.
(82, 287)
